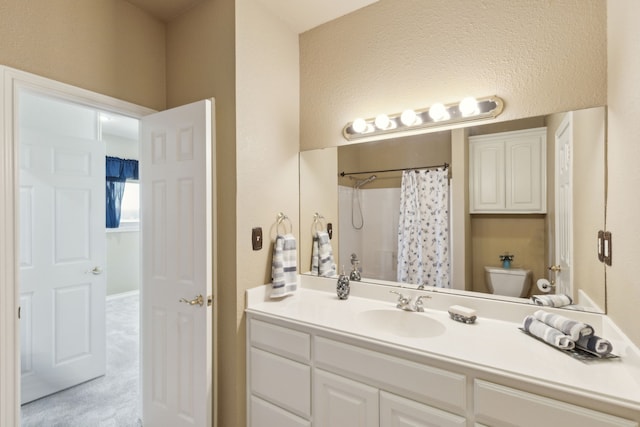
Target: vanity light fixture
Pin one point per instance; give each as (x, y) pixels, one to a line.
(438, 115)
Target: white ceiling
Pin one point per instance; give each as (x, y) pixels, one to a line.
(300, 15)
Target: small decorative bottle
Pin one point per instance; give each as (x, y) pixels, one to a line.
(355, 272)
(343, 287)
(506, 260)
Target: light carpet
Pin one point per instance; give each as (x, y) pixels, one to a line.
(108, 401)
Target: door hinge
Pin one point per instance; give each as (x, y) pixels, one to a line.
(605, 247)
(19, 311)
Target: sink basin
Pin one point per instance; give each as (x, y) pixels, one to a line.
(401, 323)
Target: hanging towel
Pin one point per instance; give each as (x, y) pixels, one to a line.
(595, 344)
(322, 263)
(569, 327)
(547, 333)
(284, 266)
(552, 300)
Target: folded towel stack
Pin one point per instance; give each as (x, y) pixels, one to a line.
(284, 266)
(552, 300)
(565, 333)
(572, 328)
(322, 263)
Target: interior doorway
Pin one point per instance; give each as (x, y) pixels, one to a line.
(63, 328)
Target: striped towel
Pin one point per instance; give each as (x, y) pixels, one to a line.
(547, 333)
(552, 300)
(322, 263)
(595, 344)
(569, 327)
(284, 275)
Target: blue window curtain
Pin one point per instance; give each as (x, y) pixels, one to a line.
(117, 172)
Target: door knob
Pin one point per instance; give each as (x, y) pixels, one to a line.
(199, 300)
(555, 268)
(95, 271)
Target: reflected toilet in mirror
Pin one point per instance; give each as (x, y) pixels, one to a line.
(513, 282)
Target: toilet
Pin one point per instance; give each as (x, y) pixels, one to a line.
(512, 282)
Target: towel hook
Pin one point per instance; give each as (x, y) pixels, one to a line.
(317, 220)
(281, 218)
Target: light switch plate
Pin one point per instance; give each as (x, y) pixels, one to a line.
(256, 238)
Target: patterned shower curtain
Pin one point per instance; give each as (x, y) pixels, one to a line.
(423, 229)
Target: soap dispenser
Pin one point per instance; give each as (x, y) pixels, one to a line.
(355, 272)
(343, 288)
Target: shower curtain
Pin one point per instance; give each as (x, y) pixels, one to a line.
(423, 229)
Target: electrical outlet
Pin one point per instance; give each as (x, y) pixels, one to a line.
(256, 238)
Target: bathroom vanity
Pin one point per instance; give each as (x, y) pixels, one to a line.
(315, 360)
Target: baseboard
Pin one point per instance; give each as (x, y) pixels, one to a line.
(123, 294)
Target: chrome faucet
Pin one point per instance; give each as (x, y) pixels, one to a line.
(405, 303)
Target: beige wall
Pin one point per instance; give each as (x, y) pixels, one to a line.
(107, 46)
(267, 91)
(520, 235)
(123, 261)
(407, 152)
(623, 199)
(539, 56)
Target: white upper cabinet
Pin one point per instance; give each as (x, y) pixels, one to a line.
(507, 172)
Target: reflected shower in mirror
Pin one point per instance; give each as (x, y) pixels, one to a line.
(368, 210)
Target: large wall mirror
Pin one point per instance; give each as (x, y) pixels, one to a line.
(364, 207)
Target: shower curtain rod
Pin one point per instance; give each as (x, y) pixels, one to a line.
(444, 165)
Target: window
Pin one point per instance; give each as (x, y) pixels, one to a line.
(130, 209)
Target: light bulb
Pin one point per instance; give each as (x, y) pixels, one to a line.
(468, 106)
(382, 121)
(438, 112)
(359, 125)
(408, 117)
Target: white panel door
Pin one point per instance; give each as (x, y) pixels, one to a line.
(177, 213)
(564, 206)
(62, 246)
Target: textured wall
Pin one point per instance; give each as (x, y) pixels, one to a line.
(540, 56)
(267, 88)
(623, 203)
(107, 46)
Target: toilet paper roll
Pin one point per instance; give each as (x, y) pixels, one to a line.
(544, 285)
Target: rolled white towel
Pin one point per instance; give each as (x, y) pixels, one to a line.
(547, 333)
(595, 344)
(570, 327)
(559, 300)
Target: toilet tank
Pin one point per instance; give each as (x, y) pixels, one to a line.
(513, 282)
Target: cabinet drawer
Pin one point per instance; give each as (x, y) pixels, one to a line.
(264, 414)
(397, 411)
(276, 339)
(438, 387)
(497, 405)
(281, 381)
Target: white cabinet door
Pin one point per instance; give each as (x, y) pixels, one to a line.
(507, 172)
(396, 411)
(62, 246)
(340, 402)
(487, 176)
(524, 174)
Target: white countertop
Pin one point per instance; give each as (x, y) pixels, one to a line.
(492, 343)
